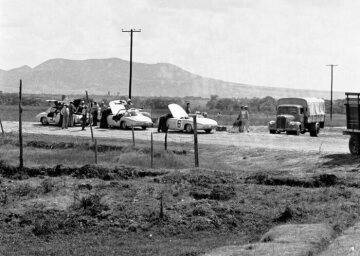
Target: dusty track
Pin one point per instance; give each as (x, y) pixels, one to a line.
(330, 140)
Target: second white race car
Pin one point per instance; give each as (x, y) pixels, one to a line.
(125, 118)
(181, 121)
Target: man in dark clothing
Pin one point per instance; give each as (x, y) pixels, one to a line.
(72, 111)
(84, 112)
(95, 110)
(187, 109)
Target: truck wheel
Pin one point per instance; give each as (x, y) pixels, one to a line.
(272, 131)
(354, 145)
(314, 130)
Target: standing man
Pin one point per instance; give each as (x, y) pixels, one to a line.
(240, 121)
(65, 114)
(187, 109)
(84, 112)
(246, 119)
(72, 111)
(95, 110)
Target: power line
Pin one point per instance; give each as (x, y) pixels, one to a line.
(131, 43)
(331, 94)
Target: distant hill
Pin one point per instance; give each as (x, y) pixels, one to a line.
(98, 76)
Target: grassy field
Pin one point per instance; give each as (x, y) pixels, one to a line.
(11, 113)
(63, 204)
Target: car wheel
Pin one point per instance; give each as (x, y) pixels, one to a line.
(208, 130)
(272, 131)
(354, 145)
(123, 125)
(144, 127)
(188, 128)
(44, 121)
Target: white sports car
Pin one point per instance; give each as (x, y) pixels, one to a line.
(52, 114)
(126, 118)
(181, 121)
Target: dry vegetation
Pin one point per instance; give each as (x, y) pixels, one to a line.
(62, 204)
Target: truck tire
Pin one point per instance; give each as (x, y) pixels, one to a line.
(315, 129)
(354, 145)
(272, 131)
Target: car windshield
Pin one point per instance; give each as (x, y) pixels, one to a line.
(287, 110)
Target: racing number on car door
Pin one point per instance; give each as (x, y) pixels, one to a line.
(179, 124)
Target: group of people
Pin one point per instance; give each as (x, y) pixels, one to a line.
(242, 120)
(68, 110)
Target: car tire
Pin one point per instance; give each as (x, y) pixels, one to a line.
(123, 125)
(44, 121)
(207, 130)
(144, 127)
(188, 128)
(354, 145)
(272, 131)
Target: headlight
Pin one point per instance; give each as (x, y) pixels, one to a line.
(272, 123)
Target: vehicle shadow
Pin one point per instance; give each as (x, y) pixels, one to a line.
(341, 159)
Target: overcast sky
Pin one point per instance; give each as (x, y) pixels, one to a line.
(283, 43)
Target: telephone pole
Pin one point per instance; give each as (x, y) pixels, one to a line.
(331, 94)
(131, 43)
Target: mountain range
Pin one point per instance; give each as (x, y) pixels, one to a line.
(100, 76)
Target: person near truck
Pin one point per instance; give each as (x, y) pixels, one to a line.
(239, 120)
(246, 119)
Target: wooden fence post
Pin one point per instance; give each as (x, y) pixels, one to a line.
(196, 143)
(90, 105)
(133, 135)
(2, 129)
(152, 151)
(21, 160)
(96, 152)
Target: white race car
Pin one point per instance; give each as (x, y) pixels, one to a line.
(52, 114)
(126, 118)
(181, 121)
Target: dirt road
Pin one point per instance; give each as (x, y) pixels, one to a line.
(330, 140)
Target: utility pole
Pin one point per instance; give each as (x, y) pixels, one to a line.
(331, 94)
(131, 43)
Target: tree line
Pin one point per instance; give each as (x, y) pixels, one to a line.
(214, 104)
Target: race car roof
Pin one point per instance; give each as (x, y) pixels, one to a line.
(177, 111)
(116, 107)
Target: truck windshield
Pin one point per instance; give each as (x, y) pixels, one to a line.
(287, 110)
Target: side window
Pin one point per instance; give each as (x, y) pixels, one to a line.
(301, 111)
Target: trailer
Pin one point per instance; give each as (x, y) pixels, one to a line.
(353, 121)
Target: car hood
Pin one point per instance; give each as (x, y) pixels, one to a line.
(116, 107)
(288, 117)
(177, 111)
(206, 121)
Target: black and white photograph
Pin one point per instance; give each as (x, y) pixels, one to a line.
(180, 128)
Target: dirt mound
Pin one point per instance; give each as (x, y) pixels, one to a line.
(86, 171)
(322, 180)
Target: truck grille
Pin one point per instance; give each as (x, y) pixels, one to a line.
(280, 122)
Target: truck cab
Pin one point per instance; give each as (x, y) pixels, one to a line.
(289, 119)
